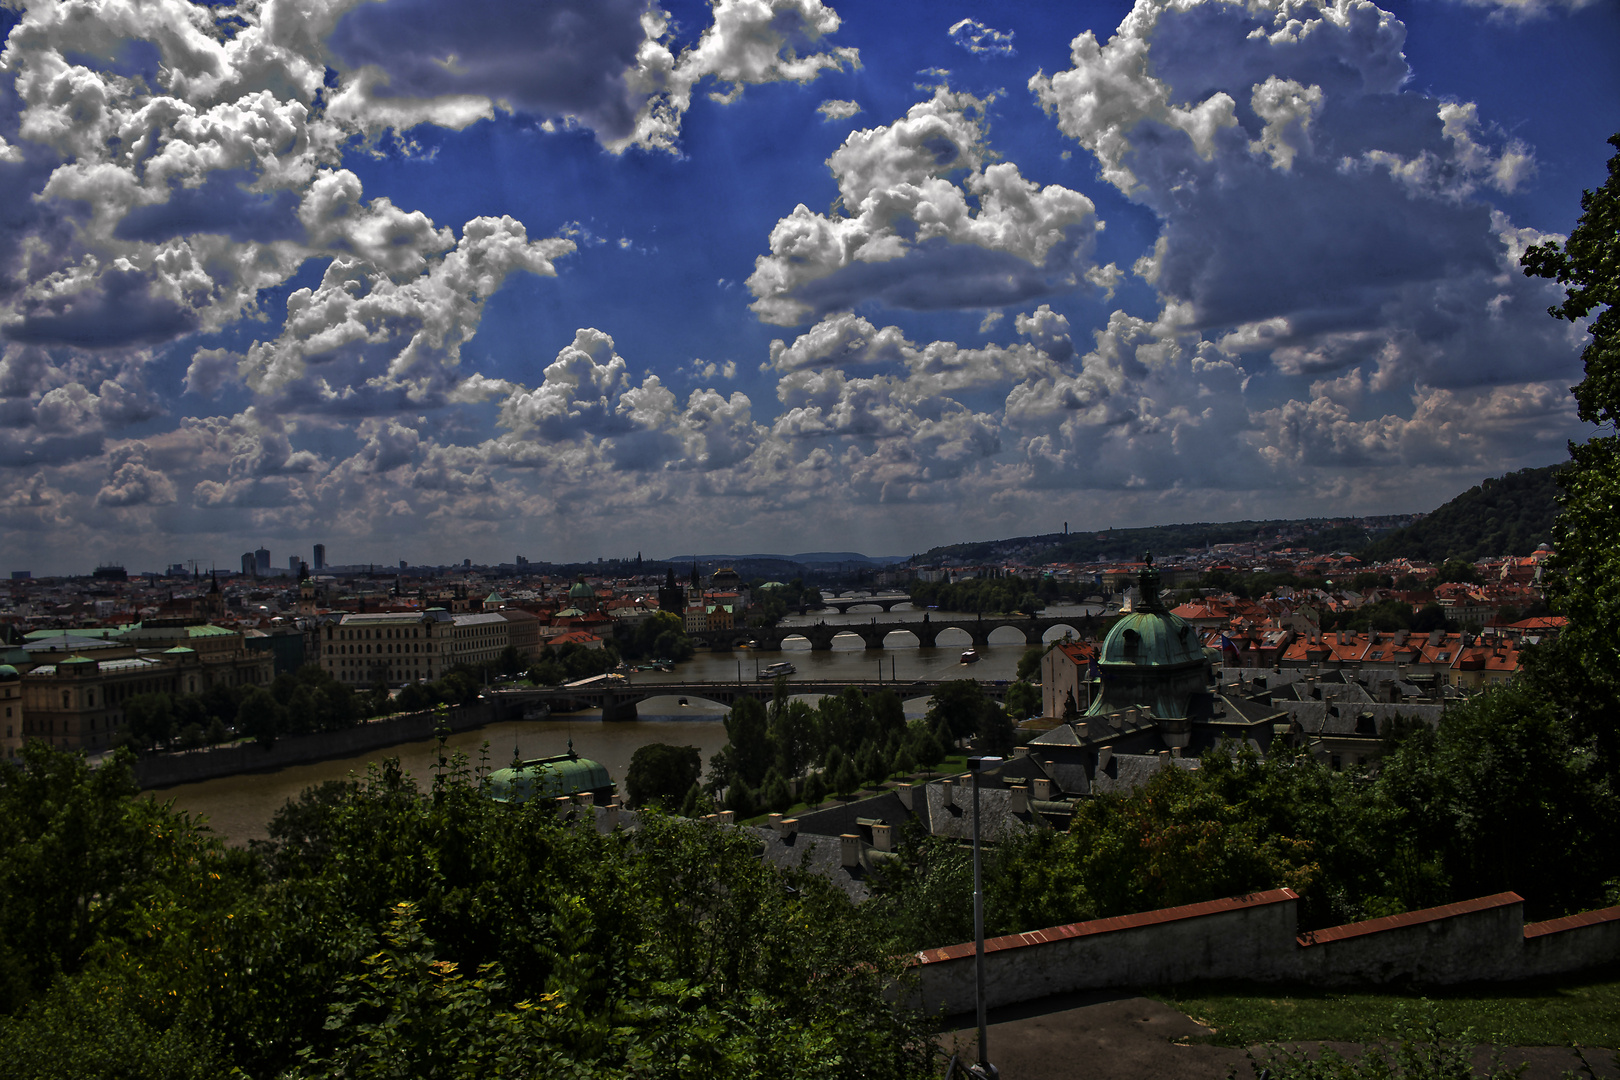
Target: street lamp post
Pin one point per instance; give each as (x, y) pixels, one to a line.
(978, 766)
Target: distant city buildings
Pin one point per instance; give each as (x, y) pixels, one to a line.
(320, 557)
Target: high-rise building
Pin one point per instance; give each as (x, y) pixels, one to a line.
(320, 557)
(261, 561)
(249, 567)
(292, 564)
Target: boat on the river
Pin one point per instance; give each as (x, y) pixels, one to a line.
(970, 656)
(776, 670)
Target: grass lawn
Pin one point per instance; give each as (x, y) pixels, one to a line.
(1579, 1010)
(951, 766)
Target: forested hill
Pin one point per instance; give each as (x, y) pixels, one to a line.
(1507, 515)
(1117, 544)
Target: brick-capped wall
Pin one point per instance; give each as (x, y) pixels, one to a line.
(1254, 938)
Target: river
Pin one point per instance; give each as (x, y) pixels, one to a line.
(240, 807)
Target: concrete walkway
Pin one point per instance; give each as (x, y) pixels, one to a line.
(1102, 1036)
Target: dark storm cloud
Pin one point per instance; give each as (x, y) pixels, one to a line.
(558, 58)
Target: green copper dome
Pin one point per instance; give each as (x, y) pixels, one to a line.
(1150, 658)
(547, 778)
(1152, 639)
(581, 591)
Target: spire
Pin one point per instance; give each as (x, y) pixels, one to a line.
(1149, 587)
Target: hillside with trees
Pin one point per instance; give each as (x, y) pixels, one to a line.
(1506, 515)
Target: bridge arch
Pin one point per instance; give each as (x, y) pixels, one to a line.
(901, 639)
(1059, 631)
(1008, 634)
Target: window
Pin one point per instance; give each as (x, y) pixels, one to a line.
(67, 700)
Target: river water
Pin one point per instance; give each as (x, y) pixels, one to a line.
(240, 807)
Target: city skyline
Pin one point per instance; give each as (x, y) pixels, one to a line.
(773, 275)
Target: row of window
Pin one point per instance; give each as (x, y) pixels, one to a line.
(385, 633)
(353, 650)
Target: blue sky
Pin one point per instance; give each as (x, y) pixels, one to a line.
(436, 282)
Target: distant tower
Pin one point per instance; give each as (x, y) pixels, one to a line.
(261, 562)
(320, 557)
(249, 567)
(293, 563)
(670, 597)
(213, 604)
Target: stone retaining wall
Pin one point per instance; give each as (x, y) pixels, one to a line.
(163, 770)
(1254, 939)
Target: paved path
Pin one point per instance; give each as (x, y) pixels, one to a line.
(1102, 1036)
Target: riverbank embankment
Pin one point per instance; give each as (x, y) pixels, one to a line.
(166, 770)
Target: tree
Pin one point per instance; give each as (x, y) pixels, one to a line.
(848, 778)
(751, 753)
(663, 774)
(1584, 582)
(259, 717)
(150, 718)
(995, 732)
(1023, 700)
(793, 734)
(1030, 663)
(960, 705)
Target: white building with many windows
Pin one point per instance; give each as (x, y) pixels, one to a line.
(389, 646)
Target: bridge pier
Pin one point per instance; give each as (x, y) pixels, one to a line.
(619, 711)
(820, 636)
(872, 635)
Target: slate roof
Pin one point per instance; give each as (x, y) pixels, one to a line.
(1124, 773)
(815, 854)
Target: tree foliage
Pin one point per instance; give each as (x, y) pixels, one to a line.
(391, 929)
(1584, 578)
(1505, 515)
(661, 773)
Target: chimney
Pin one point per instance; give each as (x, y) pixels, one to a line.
(610, 816)
(1043, 789)
(726, 816)
(789, 828)
(905, 791)
(883, 837)
(1019, 803)
(1436, 637)
(1082, 728)
(1104, 756)
(947, 792)
(850, 850)
(1164, 757)
(1175, 751)
(586, 798)
(564, 805)
(774, 821)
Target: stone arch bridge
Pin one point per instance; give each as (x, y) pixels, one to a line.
(927, 630)
(618, 700)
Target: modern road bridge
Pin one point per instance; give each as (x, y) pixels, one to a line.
(844, 603)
